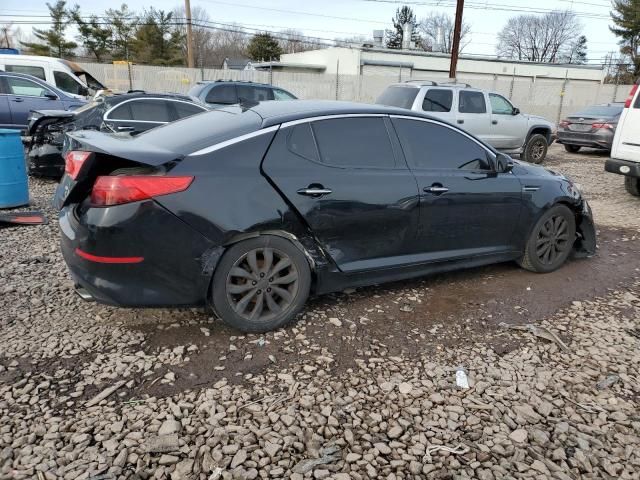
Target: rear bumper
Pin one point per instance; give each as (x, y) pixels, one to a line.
(103, 247)
(599, 139)
(623, 167)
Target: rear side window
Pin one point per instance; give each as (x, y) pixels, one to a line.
(301, 142)
(29, 70)
(354, 142)
(184, 110)
(254, 94)
(150, 110)
(472, 102)
(282, 95)
(433, 146)
(437, 100)
(222, 94)
(123, 112)
(402, 97)
(65, 82)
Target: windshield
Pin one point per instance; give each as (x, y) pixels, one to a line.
(402, 97)
(89, 81)
(600, 111)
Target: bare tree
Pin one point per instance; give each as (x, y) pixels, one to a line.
(228, 41)
(355, 41)
(437, 33)
(294, 41)
(201, 30)
(10, 36)
(539, 38)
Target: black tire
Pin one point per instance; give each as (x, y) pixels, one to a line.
(535, 150)
(632, 185)
(551, 241)
(247, 271)
(572, 148)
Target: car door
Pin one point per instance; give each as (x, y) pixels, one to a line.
(466, 208)
(5, 113)
(472, 115)
(344, 178)
(25, 95)
(439, 103)
(508, 126)
(138, 115)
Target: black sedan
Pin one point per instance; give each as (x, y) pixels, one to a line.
(593, 127)
(129, 113)
(249, 210)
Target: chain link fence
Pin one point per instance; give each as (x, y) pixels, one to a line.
(549, 98)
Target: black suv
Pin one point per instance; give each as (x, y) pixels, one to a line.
(219, 93)
(133, 112)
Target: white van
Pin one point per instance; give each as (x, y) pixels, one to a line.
(625, 152)
(67, 76)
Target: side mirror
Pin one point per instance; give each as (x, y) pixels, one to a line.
(504, 163)
(50, 96)
(515, 111)
(84, 91)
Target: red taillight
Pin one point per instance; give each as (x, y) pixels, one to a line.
(603, 125)
(564, 124)
(124, 189)
(73, 162)
(632, 93)
(101, 259)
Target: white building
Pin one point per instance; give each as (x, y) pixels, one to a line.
(405, 64)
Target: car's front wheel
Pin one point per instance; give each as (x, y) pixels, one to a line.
(572, 148)
(551, 241)
(632, 185)
(261, 284)
(535, 150)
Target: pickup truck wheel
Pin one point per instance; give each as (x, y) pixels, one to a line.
(632, 185)
(572, 148)
(536, 149)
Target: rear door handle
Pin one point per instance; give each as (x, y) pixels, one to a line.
(314, 191)
(435, 189)
(494, 122)
(460, 122)
(18, 99)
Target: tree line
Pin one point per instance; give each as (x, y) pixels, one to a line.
(158, 37)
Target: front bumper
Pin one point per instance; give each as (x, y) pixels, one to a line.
(170, 274)
(600, 139)
(586, 244)
(623, 167)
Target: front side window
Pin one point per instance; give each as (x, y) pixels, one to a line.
(354, 142)
(67, 83)
(22, 86)
(433, 146)
(254, 94)
(29, 70)
(222, 94)
(282, 95)
(500, 105)
(437, 100)
(471, 102)
(150, 110)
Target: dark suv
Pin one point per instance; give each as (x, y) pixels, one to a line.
(219, 93)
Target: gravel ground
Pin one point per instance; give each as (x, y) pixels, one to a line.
(363, 386)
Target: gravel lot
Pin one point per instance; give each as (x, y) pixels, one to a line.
(363, 386)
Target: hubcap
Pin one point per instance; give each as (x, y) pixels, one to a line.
(262, 284)
(553, 240)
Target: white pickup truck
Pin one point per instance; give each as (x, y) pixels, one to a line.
(625, 152)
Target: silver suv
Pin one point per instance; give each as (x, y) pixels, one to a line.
(487, 115)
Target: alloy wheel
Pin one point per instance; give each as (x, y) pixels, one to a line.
(261, 284)
(537, 151)
(553, 240)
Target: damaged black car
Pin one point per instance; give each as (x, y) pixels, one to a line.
(129, 114)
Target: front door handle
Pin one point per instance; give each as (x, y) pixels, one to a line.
(435, 189)
(18, 99)
(125, 129)
(494, 122)
(314, 191)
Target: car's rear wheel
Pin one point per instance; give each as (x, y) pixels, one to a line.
(632, 185)
(572, 148)
(535, 150)
(551, 241)
(261, 284)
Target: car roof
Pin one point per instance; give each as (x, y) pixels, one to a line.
(430, 83)
(243, 82)
(120, 97)
(275, 112)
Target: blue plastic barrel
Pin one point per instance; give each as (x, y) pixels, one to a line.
(14, 187)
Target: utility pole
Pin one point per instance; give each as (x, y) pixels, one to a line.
(187, 10)
(455, 47)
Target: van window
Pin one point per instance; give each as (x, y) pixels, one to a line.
(67, 83)
(28, 69)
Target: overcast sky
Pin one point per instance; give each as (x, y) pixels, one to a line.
(331, 19)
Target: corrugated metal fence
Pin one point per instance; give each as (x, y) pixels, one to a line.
(550, 98)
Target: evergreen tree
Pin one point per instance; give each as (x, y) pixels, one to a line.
(157, 42)
(123, 24)
(626, 19)
(52, 42)
(263, 46)
(396, 35)
(95, 37)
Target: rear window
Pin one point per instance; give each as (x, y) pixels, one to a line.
(600, 111)
(402, 97)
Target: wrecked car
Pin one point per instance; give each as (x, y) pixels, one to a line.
(130, 113)
(251, 210)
